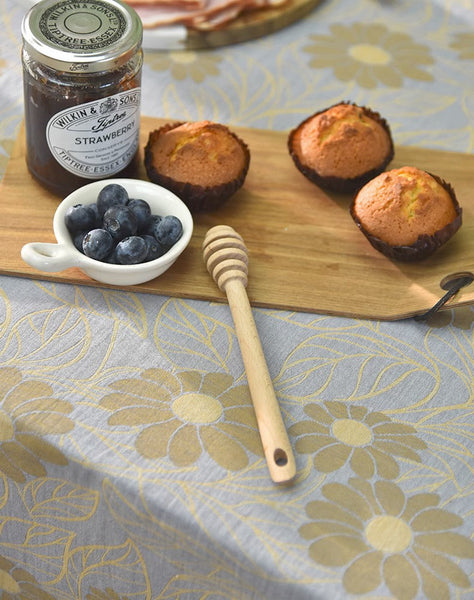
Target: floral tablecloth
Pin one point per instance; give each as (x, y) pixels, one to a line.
(130, 463)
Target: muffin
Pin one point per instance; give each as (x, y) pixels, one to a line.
(407, 213)
(342, 147)
(203, 163)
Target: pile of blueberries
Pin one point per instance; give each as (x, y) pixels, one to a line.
(120, 230)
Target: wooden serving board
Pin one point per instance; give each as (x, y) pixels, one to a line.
(305, 252)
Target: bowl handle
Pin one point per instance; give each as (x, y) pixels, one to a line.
(48, 257)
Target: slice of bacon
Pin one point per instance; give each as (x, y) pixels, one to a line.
(215, 14)
(187, 4)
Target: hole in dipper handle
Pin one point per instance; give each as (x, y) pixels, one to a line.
(452, 283)
(280, 457)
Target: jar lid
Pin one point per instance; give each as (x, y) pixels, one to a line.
(90, 36)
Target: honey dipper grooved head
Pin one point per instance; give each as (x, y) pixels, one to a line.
(225, 255)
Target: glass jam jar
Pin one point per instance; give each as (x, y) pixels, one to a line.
(82, 65)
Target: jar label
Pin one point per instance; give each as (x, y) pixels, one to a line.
(96, 139)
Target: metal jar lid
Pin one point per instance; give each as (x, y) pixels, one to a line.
(90, 36)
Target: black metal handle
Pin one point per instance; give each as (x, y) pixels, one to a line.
(452, 283)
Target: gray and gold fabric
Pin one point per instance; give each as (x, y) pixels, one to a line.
(130, 463)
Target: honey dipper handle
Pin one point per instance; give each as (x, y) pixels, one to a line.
(276, 445)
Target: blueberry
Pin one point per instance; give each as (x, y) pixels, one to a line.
(111, 195)
(78, 239)
(79, 217)
(132, 250)
(141, 209)
(168, 230)
(153, 221)
(112, 258)
(120, 222)
(98, 218)
(98, 244)
(154, 248)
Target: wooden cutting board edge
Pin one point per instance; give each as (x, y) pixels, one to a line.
(202, 287)
(76, 277)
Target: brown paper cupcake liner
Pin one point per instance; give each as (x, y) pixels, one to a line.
(196, 197)
(426, 244)
(339, 184)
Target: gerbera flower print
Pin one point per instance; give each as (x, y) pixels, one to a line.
(382, 537)
(16, 583)
(370, 54)
(183, 415)
(107, 594)
(27, 412)
(339, 434)
(185, 64)
(464, 44)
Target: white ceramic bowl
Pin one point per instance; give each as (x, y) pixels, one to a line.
(57, 257)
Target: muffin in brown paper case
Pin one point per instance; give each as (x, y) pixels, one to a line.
(202, 162)
(407, 213)
(341, 147)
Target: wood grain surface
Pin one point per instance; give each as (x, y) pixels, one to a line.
(305, 252)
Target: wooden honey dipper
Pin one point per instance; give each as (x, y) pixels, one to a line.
(226, 259)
